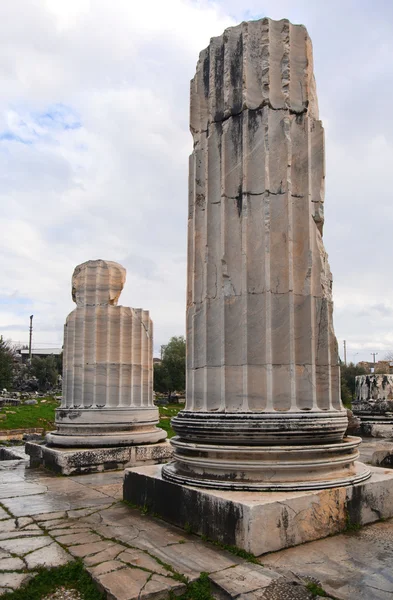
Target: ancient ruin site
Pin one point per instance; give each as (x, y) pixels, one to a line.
(247, 459)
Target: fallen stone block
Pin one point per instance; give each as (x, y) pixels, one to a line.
(383, 456)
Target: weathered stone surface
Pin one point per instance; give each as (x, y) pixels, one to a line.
(51, 516)
(262, 357)
(124, 584)
(37, 504)
(137, 558)
(354, 424)
(50, 556)
(10, 490)
(374, 404)
(13, 581)
(243, 579)
(108, 554)
(281, 589)
(160, 588)
(10, 535)
(24, 545)
(106, 567)
(77, 538)
(78, 461)
(3, 514)
(107, 395)
(260, 522)
(349, 566)
(130, 584)
(11, 564)
(379, 429)
(374, 394)
(83, 550)
(69, 530)
(383, 456)
(192, 558)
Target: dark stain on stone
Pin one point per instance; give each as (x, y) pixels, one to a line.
(219, 82)
(181, 505)
(236, 71)
(236, 129)
(254, 123)
(200, 201)
(239, 202)
(206, 74)
(354, 506)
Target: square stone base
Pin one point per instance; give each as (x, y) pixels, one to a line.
(77, 461)
(377, 429)
(261, 522)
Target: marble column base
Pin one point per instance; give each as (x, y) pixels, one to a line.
(261, 522)
(302, 467)
(105, 427)
(72, 461)
(261, 428)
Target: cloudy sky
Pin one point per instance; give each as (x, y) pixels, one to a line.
(94, 145)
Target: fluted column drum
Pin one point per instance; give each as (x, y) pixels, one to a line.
(262, 357)
(107, 366)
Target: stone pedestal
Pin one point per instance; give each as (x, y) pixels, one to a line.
(261, 522)
(263, 406)
(374, 404)
(80, 461)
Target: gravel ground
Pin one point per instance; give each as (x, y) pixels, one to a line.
(63, 593)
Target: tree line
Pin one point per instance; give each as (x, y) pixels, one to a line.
(40, 375)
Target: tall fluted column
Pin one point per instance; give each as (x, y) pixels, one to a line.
(263, 380)
(107, 366)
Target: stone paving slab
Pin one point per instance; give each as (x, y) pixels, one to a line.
(12, 581)
(127, 584)
(52, 555)
(352, 565)
(3, 514)
(243, 579)
(47, 502)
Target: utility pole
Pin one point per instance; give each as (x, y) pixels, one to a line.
(374, 354)
(345, 353)
(30, 335)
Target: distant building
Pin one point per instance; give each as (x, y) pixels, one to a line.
(39, 352)
(157, 361)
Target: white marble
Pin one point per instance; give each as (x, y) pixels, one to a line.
(262, 357)
(108, 365)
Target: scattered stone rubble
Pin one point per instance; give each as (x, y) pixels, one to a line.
(16, 398)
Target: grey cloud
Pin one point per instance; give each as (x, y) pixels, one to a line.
(116, 186)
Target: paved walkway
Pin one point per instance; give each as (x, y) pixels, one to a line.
(47, 520)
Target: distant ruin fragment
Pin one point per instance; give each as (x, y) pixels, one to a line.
(374, 404)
